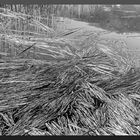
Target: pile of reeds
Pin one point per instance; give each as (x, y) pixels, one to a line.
(78, 84)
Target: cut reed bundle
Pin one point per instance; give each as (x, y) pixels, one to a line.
(80, 87)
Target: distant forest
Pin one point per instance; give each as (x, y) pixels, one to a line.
(117, 17)
(78, 11)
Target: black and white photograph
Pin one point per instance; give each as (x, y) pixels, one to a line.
(69, 69)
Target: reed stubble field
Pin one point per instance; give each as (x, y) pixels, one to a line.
(68, 83)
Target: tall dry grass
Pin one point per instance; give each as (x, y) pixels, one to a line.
(75, 84)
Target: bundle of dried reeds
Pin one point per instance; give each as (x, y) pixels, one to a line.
(76, 86)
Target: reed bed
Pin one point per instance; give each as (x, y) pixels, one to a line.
(73, 83)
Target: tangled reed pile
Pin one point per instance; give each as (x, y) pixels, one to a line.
(79, 84)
